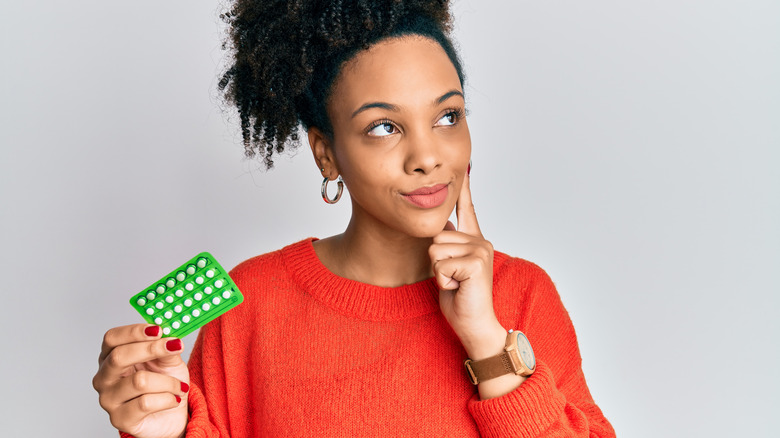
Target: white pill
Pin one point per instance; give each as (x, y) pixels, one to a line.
(179, 293)
(206, 306)
(210, 273)
(196, 313)
(141, 301)
(150, 295)
(169, 299)
(158, 320)
(149, 311)
(226, 294)
(186, 318)
(190, 269)
(197, 296)
(159, 305)
(167, 330)
(188, 302)
(180, 276)
(199, 280)
(216, 301)
(189, 286)
(176, 324)
(208, 290)
(219, 283)
(177, 309)
(170, 283)
(201, 263)
(160, 289)
(168, 314)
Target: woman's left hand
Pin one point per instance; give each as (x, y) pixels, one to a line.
(462, 262)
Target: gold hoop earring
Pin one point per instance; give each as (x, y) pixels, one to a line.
(324, 190)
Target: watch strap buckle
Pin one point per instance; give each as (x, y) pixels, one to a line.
(470, 372)
(489, 368)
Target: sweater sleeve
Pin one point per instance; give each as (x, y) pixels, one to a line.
(207, 420)
(555, 400)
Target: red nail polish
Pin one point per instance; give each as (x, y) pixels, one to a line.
(152, 331)
(178, 399)
(469, 169)
(184, 387)
(173, 345)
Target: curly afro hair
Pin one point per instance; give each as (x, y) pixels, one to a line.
(286, 55)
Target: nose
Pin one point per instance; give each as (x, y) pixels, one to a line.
(423, 153)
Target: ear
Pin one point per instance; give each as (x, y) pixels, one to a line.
(322, 150)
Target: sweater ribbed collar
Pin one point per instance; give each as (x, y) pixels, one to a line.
(353, 298)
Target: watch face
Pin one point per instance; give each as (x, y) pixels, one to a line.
(526, 353)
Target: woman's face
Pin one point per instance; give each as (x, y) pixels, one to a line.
(400, 138)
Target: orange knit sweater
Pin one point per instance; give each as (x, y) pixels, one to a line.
(311, 354)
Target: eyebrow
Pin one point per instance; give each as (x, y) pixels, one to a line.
(395, 108)
(383, 105)
(449, 94)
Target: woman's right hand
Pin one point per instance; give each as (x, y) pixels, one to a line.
(143, 382)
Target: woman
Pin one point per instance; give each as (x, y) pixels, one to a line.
(363, 333)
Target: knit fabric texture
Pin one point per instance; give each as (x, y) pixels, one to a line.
(311, 354)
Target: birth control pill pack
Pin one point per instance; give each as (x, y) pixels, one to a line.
(189, 297)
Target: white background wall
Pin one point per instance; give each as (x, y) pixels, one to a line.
(629, 148)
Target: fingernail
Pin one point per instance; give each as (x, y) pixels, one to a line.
(152, 331)
(178, 399)
(173, 345)
(469, 169)
(184, 387)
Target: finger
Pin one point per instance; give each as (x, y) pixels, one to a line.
(125, 335)
(450, 273)
(467, 217)
(449, 250)
(140, 383)
(449, 226)
(128, 415)
(447, 236)
(166, 351)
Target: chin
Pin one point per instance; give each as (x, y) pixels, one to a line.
(427, 229)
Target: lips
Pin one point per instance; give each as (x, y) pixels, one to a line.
(428, 197)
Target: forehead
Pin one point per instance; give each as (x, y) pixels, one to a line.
(402, 70)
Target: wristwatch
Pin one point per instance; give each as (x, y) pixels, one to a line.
(517, 358)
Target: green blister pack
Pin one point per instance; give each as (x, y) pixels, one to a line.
(190, 296)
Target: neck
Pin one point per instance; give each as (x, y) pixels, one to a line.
(376, 255)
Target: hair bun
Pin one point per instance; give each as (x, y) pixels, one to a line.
(286, 54)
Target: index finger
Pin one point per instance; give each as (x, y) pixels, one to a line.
(467, 217)
(127, 334)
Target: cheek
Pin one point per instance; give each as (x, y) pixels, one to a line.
(459, 148)
(458, 141)
(369, 176)
(363, 172)
(465, 139)
(367, 163)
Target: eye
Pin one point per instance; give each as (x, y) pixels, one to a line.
(451, 118)
(382, 129)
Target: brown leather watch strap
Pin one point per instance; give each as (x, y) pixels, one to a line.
(488, 368)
